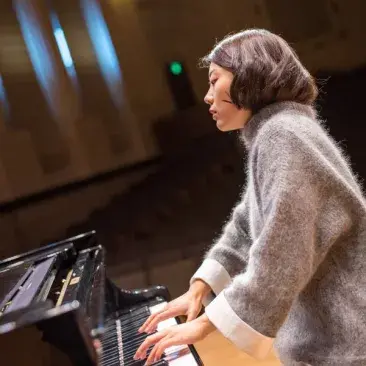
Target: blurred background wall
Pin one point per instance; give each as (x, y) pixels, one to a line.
(103, 126)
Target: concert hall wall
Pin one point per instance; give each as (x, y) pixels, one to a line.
(60, 125)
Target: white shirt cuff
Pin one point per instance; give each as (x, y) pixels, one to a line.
(215, 275)
(238, 332)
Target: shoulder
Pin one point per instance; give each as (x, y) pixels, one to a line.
(287, 127)
(291, 144)
(287, 136)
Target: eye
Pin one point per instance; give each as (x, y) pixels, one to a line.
(212, 82)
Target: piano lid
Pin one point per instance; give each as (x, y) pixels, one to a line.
(78, 242)
(29, 286)
(11, 278)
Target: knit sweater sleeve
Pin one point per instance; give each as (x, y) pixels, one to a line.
(292, 195)
(228, 255)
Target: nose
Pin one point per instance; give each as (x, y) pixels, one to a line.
(208, 98)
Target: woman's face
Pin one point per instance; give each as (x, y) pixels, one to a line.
(227, 116)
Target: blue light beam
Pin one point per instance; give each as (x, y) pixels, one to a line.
(37, 50)
(4, 99)
(63, 48)
(104, 49)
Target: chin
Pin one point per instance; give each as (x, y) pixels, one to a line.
(221, 125)
(224, 127)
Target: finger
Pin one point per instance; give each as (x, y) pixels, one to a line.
(161, 317)
(149, 360)
(163, 345)
(97, 343)
(141, 351)
(158, 350)
(98, 346)
(192, 315)
(150, 319)
(146, 324)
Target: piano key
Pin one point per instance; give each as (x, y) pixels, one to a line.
(121, 341)
(120, 347)
(104, 315)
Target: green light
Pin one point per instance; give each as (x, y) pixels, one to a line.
(176, 68)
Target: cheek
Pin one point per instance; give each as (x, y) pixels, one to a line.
(222, 91)
(231, 118)
(229, 111)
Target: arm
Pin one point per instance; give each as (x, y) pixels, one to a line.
(228, 256)
(293, 195)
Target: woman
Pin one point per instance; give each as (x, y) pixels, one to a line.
(290, 265)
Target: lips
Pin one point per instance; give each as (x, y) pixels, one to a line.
(214, 113)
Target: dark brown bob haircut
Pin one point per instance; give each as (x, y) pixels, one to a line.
(266, 70)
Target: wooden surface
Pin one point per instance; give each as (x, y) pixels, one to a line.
(215, 350)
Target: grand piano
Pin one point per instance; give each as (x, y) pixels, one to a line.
(58, 307)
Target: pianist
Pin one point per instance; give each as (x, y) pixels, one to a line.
(289, 269)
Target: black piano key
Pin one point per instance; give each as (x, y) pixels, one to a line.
(134, 318)
(137, 312)
(161, 363)
(142, 363)
(130, 348)
(121, 314)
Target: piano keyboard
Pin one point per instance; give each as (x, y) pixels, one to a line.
(59, 304)
(121, 341)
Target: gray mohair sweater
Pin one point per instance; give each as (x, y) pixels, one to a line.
(290, 265)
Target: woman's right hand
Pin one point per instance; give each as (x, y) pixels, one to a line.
(189, 304)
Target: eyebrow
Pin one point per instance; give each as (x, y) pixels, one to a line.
(210, 73)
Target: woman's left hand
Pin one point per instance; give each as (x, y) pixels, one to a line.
(182, 334)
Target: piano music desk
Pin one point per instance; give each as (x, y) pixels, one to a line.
(215, 350)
